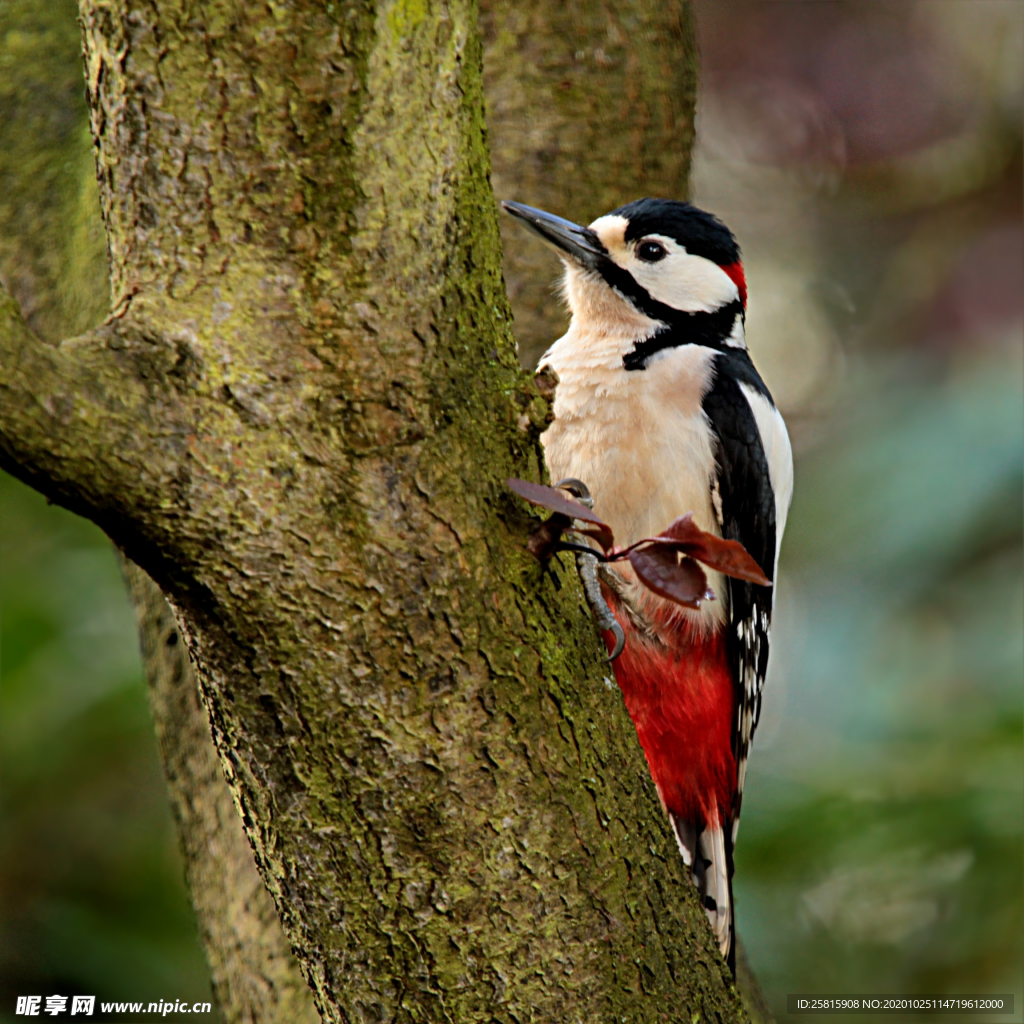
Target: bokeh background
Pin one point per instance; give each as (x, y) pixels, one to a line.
(868, 156)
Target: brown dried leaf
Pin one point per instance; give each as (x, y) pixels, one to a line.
(557, 501)
(553, 499)
(602, 534)
(728, 557)
(660, 569)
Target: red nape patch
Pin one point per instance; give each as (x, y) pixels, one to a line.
(735, 271)
(682, 702)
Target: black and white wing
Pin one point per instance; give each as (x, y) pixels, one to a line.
(751, 496)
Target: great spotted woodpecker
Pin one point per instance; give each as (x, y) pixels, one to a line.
(659, 411)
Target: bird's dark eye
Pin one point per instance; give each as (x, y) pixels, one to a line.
(651, 252)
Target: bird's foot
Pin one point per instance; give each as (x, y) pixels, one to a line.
(587, 567)
(618, 586)
(578, 489)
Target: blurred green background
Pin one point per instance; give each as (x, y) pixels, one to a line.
(94, 901)
(868, 156)
(91, 879)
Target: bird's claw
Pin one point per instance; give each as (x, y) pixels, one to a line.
(578, 489)
(586, 565)
(611, 579)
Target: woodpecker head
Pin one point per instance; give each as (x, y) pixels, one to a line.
(665, 264)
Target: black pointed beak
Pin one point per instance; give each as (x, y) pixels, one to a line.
(580, 244)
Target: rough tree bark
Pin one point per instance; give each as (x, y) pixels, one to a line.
(255, 977)
(589, 105)
(297, 421)
(53, 256)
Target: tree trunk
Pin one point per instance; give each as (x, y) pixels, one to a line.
(589, 106)
(255, 978)
(53, 256)
(297, 421)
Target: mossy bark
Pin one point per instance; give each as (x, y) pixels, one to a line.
(297, 421)
(52, 256)
(255, 977)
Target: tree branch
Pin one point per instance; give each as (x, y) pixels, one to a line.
(95, 422)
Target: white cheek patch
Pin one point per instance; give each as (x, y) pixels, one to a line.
(685, 282)
(690, 283)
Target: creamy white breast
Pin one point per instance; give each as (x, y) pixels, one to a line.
(638, 439)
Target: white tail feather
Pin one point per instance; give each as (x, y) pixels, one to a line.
(716, 884)
(686, 838)
(705, 854)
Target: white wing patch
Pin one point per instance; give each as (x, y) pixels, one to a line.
(779, 453)
(753, 632)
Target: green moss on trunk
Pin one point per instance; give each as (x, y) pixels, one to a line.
(298, 421)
